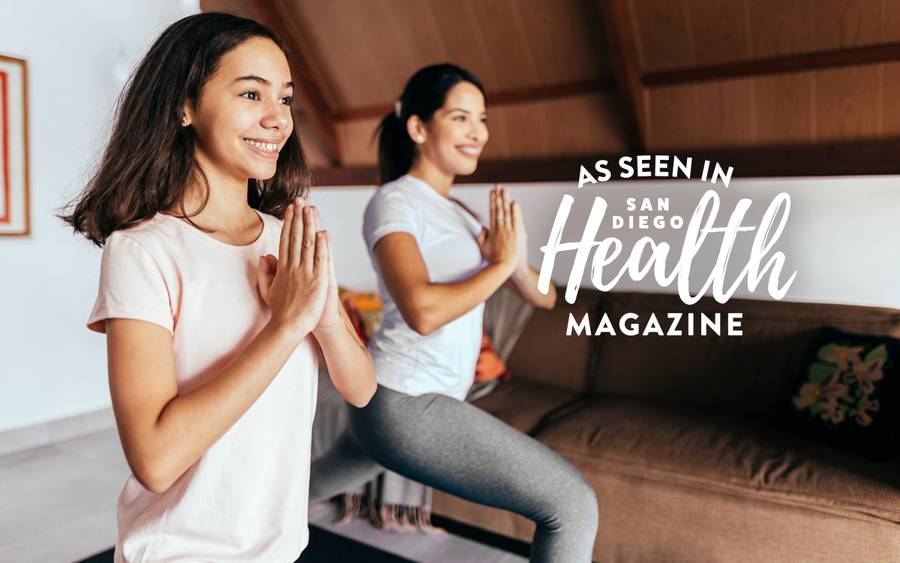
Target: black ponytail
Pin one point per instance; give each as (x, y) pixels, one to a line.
(424, 94)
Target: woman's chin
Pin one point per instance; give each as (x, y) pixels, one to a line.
(262, 172)
(466, 168)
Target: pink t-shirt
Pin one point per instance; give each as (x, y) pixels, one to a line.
(246, 498)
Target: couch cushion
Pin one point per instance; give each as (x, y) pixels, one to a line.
(718, 453)
(544, 354)
(751, 373)
(522, 404)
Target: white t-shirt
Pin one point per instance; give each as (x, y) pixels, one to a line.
(246, 498)
(444, 361)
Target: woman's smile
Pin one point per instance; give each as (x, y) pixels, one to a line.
(469, 151)
(265, 149)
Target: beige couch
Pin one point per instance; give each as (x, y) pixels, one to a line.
(674, 435)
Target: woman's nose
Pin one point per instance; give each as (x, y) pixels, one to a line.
(278, 116)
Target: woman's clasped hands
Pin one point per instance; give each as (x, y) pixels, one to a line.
(504, 242)
(299, 286)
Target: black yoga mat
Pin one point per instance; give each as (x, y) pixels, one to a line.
(324, 547)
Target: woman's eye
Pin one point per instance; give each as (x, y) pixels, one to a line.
(287, 100)
(251, 95)
(460, 118)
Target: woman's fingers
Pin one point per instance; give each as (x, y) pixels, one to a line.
(321, 260)
(309, 241)
(332, 278)
(493, 209)
(507, 210)
(297, 230)
(284, 243)
(515, 215)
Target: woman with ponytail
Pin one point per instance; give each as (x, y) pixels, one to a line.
(212, 339)
(436, 265)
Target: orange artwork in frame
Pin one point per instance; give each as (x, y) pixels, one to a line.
(14, 212)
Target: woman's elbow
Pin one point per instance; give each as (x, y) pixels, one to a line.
(152, 470)
(152, 477)
(362, 399)
(420, 321)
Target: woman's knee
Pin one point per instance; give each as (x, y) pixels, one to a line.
(579, 506)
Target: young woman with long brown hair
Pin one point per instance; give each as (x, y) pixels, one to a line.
(212, 339)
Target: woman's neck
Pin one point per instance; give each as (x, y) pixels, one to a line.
(226, 209)
(430, 174)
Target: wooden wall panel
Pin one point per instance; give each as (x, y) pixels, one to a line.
(355, 138)
(672, 117)
(341, 40)
(890, 21)
(679, 34)
(564, 40)
(663, 37)
(780, 28)
(847, 105)
(726, 113)
(367, 49)
(847, 23)
(573, 125)
(823, 106)
(463, 43)
(784, 109)
(718, 30)
(497, 28)
(316, 154)
(890, 99)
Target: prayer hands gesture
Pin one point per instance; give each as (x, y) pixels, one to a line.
(299, 286)
(505, 242)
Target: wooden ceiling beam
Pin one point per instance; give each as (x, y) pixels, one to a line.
(877, 156)
(622, 52)
(504, 97)
(312, 100)
(871, 54)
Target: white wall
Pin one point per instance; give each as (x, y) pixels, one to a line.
(79, 55)
(841, 237)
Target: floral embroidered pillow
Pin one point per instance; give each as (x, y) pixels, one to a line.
(848, 393)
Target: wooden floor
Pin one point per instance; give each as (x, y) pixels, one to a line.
(59, 505)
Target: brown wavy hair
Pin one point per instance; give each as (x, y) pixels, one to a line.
(149, 161)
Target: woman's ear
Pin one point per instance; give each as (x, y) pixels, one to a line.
(416, 129)
(187, 116)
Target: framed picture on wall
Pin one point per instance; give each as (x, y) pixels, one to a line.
(14, 220)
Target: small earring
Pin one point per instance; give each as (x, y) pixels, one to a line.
(420, 139)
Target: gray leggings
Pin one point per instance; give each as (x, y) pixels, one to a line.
(458, 448)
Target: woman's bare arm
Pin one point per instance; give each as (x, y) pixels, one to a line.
(349, 363)
(524, 282)
(163, 433)
(427, 306)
